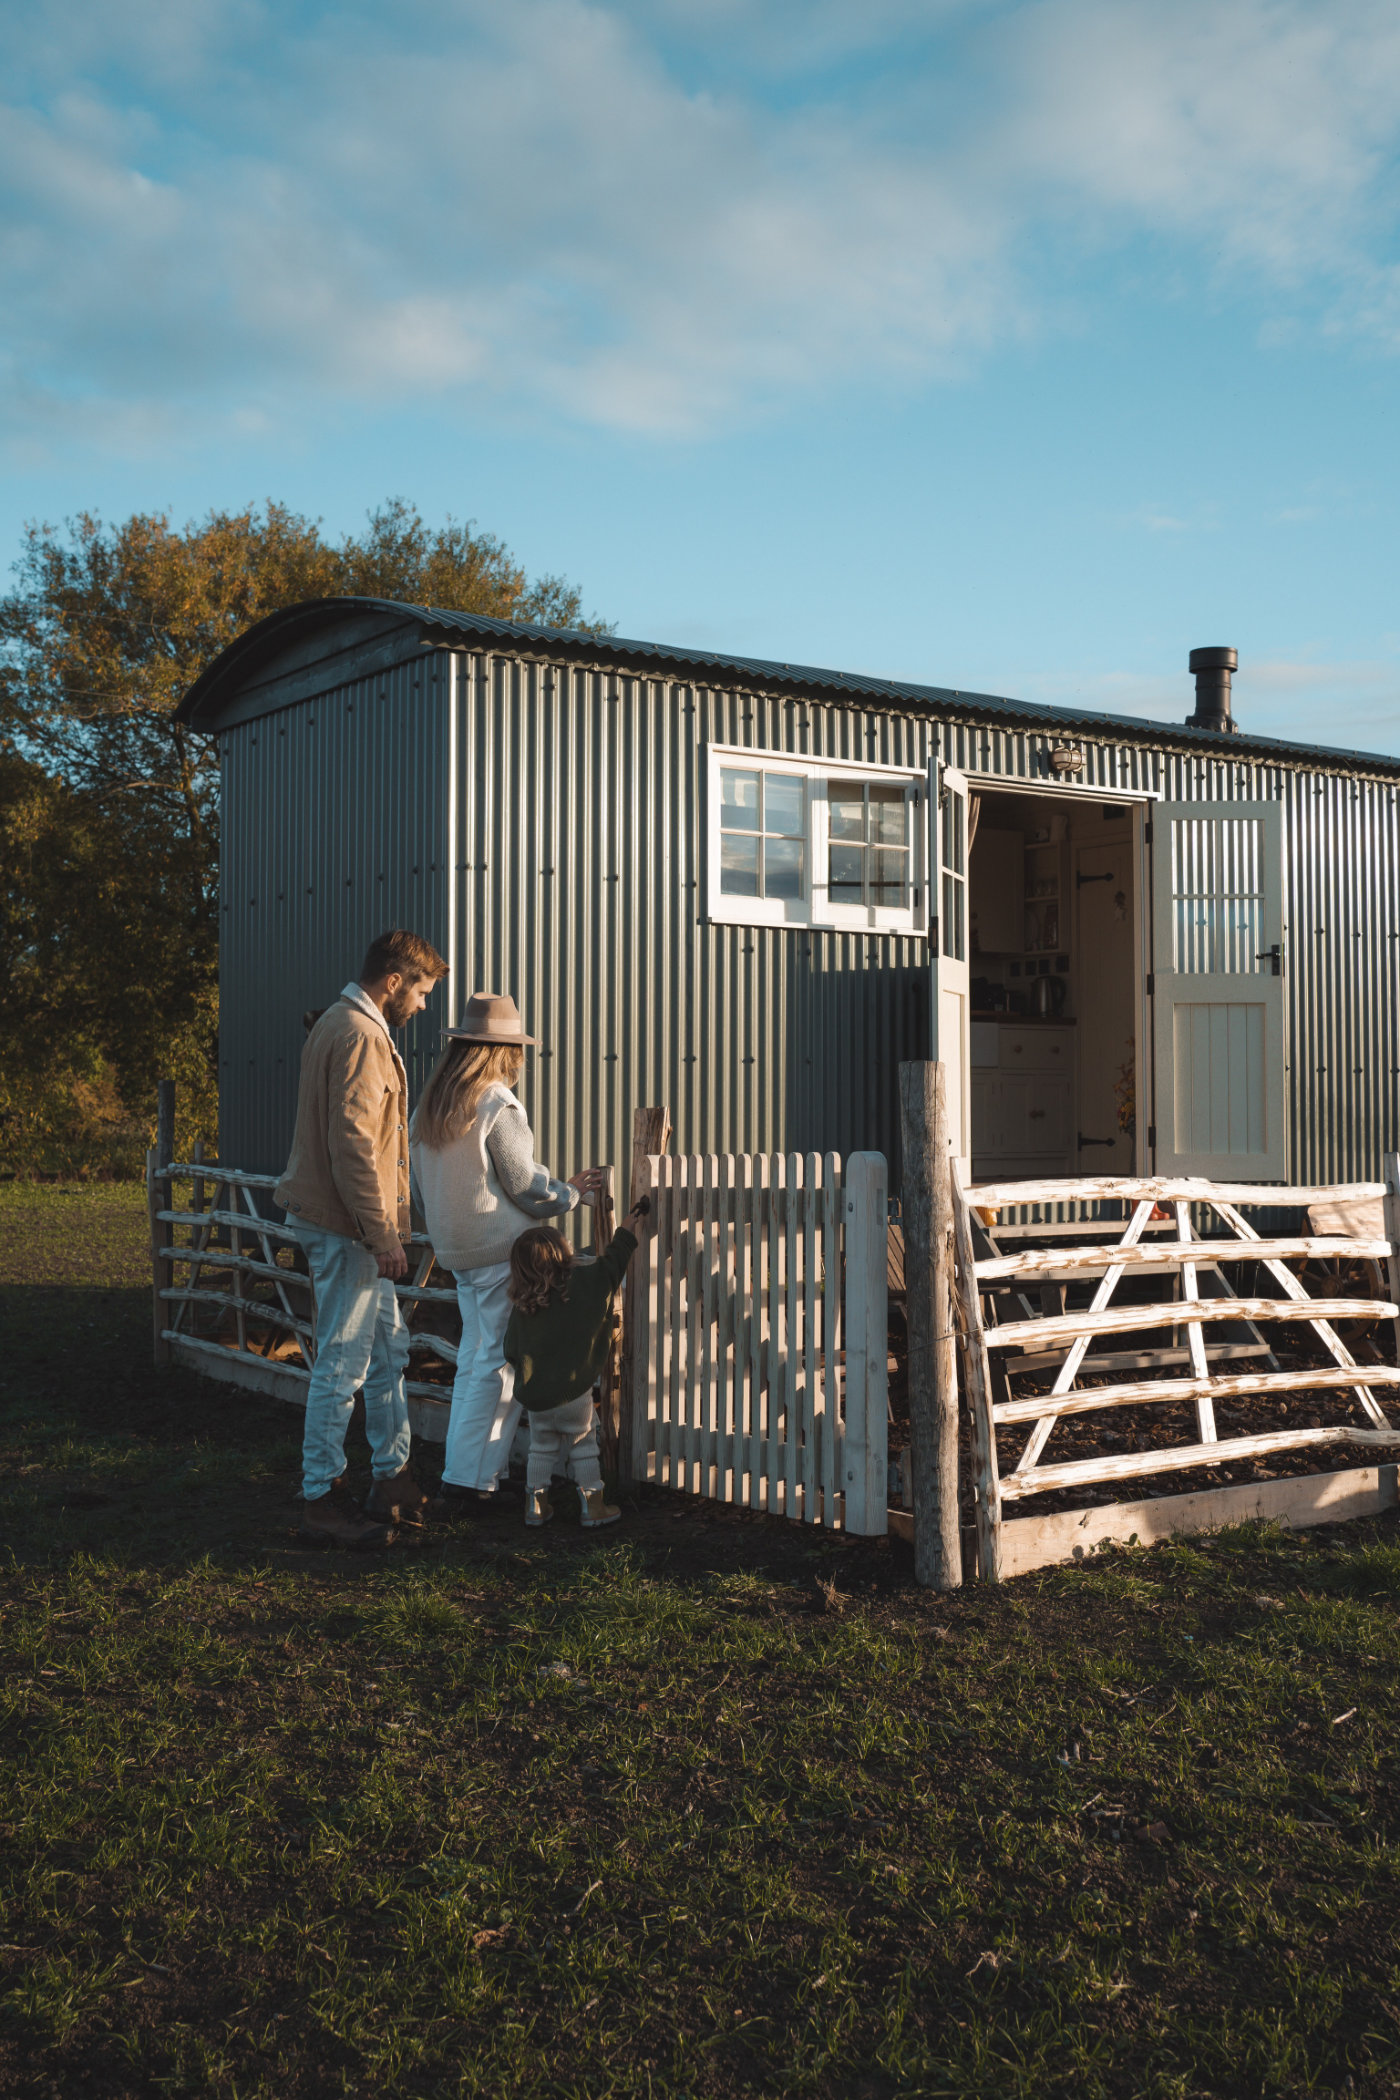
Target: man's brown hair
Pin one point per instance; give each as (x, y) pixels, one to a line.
(400, 950)
(540, 1261)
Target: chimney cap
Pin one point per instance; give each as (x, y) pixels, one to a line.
(1213, 660)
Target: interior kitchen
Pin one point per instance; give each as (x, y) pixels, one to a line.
(1055, 966)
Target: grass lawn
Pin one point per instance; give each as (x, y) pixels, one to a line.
(705, 1806)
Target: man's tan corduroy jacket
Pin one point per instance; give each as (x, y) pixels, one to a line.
(348, 1172)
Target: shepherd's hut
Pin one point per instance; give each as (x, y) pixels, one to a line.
(750, 889)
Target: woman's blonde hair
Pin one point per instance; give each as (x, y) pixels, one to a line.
(459, 1079)
(540, 1261)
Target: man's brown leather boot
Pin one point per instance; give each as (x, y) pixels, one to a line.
(333, 1519)
(398, 1500)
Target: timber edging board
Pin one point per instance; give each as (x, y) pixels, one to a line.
(1028, 1543)
(428, 1417)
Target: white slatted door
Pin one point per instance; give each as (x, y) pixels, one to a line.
(950, 991)
(1219, 952)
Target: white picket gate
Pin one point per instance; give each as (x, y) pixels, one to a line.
(758, 1334)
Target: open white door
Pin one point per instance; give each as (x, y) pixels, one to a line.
(950, 993)
(1219, 943)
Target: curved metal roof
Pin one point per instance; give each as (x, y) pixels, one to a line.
(282, 632)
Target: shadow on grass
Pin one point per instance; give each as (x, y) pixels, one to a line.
(104, 1454)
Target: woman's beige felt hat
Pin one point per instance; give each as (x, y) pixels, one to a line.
(491, 1017)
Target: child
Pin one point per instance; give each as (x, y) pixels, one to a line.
(557, 1340)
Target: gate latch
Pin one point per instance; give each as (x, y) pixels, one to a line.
(1273, 955)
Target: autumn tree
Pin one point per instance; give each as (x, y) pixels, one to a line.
(108, 806)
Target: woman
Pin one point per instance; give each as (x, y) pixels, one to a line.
(480, 1187)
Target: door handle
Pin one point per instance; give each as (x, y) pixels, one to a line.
(1273, 955)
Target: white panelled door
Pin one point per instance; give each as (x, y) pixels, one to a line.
(1219, 948)
(950, 992)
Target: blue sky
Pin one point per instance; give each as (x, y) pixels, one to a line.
(1021, 347)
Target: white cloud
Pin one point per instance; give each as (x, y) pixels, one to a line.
(656, 218)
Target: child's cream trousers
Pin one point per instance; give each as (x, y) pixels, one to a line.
(564, 1440)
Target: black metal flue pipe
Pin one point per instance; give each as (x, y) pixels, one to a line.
(1213, 669)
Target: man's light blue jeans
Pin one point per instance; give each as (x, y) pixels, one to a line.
(361, 1340)
(481, 1426)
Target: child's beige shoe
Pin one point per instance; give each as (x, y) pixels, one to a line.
(538, 1507)
(595, 1510)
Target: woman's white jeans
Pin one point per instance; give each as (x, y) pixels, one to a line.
(485, 1412)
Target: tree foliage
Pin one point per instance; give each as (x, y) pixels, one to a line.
(108, 806)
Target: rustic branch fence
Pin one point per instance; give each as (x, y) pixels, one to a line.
(1008, 1306)
(233, 1300)
(751, 1364)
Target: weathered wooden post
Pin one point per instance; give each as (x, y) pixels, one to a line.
(978, 1375)
(651, 1133)
(1391, 1214)
(933, 1381)
(157, 1200)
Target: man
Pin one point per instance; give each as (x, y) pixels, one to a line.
(345, 1193)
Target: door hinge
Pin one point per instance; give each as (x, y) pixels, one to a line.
(1147, 833)
(1152, 1136)
(1151, 984)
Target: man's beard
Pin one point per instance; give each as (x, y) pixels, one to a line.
(398, 1007)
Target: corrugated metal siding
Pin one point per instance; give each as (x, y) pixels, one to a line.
(579, 864)
(334, 828)
(582, 871)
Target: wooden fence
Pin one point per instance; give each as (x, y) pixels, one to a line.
(1006, 1337)
(756, 1318)
(758, 1333)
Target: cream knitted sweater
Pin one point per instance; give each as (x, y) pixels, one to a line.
(481, 1191)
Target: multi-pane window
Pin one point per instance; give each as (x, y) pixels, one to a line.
(868, 843)
(808, 842)
(763, 833)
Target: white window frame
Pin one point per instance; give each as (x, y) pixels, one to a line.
(814, 907)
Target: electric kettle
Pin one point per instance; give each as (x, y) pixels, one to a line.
(1048, 996)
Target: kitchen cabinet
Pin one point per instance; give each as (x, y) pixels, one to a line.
(1023, 1101)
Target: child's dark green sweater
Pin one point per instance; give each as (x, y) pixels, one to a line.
(560, 1352)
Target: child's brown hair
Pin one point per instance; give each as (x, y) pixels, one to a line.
(540, 1262)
